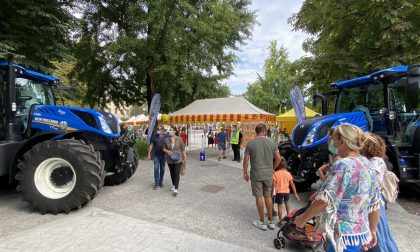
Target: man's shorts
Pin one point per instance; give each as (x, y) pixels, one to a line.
(261, 188)
(280, 197)
(222, 146)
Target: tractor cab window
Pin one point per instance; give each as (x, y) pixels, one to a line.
(29, 92)
(370, 96)
(406, 104)
(368, 99)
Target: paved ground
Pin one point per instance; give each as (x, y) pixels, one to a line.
(213, 212)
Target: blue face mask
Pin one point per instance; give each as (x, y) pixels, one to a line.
(332, 148)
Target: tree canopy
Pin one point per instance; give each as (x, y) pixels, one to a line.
(128, 50)
(271, 91)
(36, 32)
(351, 38)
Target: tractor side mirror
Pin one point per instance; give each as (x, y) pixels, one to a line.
(314, 99)
(71, 90)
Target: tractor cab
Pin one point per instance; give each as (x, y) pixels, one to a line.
(31, 88)
(389, 99)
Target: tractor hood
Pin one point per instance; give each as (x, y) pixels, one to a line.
(67, 119)
(313, 132)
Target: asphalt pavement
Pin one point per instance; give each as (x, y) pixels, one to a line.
(213, 212)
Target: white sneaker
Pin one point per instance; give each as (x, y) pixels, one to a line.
(175, 193)
(173, 188)
(260, 225)
(270, 224)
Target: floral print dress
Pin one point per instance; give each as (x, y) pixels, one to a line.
(351, 192)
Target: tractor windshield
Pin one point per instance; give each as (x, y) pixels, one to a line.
(29, 92)
(370, 97)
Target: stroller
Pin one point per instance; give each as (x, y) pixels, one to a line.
(307, 237)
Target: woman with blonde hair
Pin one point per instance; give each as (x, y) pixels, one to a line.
(375, 149)
(349, 199)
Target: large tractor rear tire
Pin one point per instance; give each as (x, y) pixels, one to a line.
(123, 171)
(60, 175)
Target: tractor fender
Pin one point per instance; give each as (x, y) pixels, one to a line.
(27, 145)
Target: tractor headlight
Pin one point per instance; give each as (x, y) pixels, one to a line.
(104, 125)
(309, 138)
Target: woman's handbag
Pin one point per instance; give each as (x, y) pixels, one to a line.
(183, 168)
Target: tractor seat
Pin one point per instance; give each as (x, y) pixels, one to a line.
(365, 110)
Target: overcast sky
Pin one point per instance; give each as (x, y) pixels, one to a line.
(272, 17)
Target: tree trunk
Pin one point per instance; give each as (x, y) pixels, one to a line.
(150, 80)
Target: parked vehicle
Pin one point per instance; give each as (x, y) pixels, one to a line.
(59, 156)
(386, 102)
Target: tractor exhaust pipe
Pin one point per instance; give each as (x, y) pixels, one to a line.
(13, 132)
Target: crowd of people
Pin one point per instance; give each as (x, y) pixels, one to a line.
(349, 203)
(350, 207)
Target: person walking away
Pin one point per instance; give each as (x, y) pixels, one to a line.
(184, 136)
(282, 182)
(264, 156)
(216, 141)
(375, 149)
(158, 156)
(210, 139)
(349, 199)
(222, 139)
(175, 150)
(235, 141)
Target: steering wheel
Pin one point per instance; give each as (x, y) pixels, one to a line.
(25, 97)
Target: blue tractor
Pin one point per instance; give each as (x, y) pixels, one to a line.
(59, 156)
(386, 102)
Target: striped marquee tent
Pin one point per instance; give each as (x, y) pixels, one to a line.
(227, 110)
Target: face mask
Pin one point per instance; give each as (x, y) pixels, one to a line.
(159, 132)
(171, 133)
(332, 148)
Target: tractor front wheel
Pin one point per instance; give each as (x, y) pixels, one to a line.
(60, 175)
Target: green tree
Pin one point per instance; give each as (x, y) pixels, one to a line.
(128, 50)
(36, 32)
(350, 38)
(271, 91)
(136, 110)
(62, 70)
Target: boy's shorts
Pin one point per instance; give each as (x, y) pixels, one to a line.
(280, 197)
(222, 146)
(261, 188)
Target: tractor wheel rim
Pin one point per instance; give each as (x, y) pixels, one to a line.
(49, 172)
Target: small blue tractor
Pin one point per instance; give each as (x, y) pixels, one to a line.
(386, 102)
(59, 156)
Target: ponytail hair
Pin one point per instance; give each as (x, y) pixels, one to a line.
(352, 135)
(374, 146)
